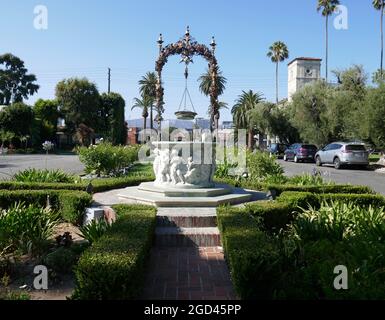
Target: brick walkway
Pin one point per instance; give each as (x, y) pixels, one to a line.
(188, 274)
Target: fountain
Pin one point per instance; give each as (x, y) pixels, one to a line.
(185, 170)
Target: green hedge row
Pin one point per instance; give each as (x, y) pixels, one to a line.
(113, 268)
(98, 185)
(279, 189)
(266, 266)
(276, 215)
(70, 204)
(250, 253)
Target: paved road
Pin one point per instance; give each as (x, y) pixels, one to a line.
(10, 164)
(345, 176)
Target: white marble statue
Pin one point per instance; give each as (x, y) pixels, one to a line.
(178, 168)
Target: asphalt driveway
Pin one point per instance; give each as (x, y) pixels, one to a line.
(368, 178)
(10, 164)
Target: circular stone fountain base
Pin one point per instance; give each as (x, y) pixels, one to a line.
(185, 190)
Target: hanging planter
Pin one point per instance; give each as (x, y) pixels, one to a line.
(185, 115)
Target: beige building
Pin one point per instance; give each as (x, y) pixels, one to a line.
(302, 71)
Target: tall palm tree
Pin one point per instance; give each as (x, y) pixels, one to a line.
(327, 8)
(380, 5)
(205, 82)
(221, 105)
(145, 104)
(278, 52)
(148, 88)
(246, 101)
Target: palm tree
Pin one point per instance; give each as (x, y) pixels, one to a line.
(246, 101)
(380, 5)
(278, 52)
(221, 105)
(145, 104)
(327, 7)
(205, 82)
(148, 88)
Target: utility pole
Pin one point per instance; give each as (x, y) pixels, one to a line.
(109, 80)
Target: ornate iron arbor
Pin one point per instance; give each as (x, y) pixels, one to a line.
(187, 47)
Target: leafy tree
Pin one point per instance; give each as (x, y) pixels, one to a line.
(17, 118)
(15, 82)
(308, 113)
(278, 52)
(327, 8)
(246, 102)
(375, 104)
(79, 102)
(113, 110)
(147, 88)
(380, 5)
(353, 79)
(47, 114)
(378, 77)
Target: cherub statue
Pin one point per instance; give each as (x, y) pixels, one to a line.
(178, 168)
(163, 175)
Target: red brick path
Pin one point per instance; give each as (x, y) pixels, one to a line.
(188, 274)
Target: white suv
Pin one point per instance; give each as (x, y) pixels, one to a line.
(341, 153)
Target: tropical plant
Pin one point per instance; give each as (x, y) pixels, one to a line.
(380, 5)
(147, 88)
(205, 82)
(278, 52)
(308, 180)
(43, 176)
(327, 8)
(145, 103)
(94, 230)
(246, 101)
(26, 228)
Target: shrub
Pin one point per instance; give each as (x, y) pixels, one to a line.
(69, 204)
(113, 267)
(94, 230)
(62, 260)
(43, 176)
(26, 228)
(261, 166)
(106, 159)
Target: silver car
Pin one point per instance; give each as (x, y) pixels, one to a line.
(343, 154)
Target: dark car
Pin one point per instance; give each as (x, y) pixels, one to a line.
(277, 150)
(301, 153)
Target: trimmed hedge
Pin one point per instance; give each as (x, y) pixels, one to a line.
(251, 253)
(98, 185)
(303, 199)
(113, 268)
(279, 189)
(264, 265)
(70, 204)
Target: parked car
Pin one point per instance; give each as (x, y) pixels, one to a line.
(277, 150)
(342, 154)
(300, 152)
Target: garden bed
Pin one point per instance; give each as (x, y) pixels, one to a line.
(271, 255)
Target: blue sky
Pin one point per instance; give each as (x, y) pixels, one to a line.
(86, 37)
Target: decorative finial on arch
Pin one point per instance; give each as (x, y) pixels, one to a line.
(213, 44)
